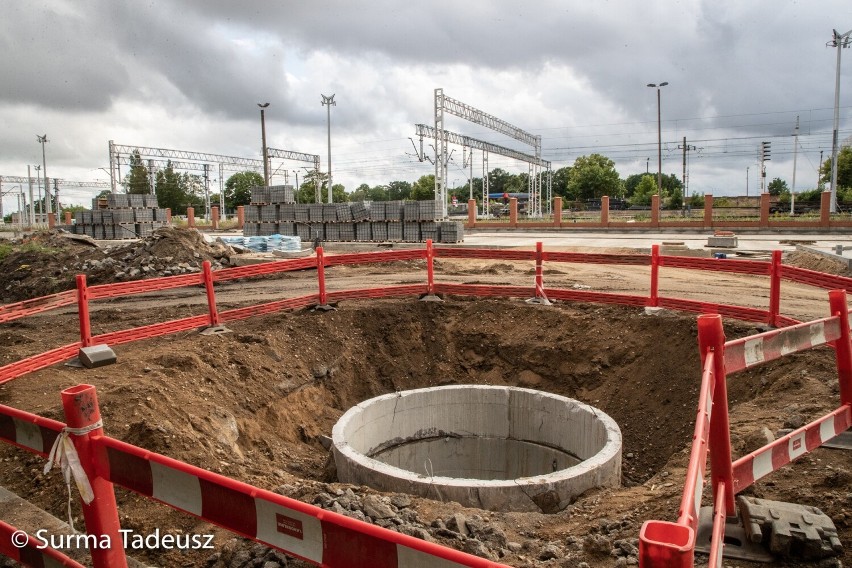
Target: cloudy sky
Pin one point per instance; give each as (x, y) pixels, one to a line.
(188, 75)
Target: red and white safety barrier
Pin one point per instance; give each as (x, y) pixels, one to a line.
(24, 548)
(299, 529)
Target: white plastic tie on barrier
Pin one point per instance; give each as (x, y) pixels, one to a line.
(65, 455)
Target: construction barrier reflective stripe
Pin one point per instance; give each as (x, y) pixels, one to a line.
(302, 530)
(749, 351)
(28, 431)
(782, 451)
(30, 554)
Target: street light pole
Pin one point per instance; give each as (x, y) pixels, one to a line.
(38, 185)
(263, 138)
(659, 138)
(44, 139)
(839, 41)
(328, 102)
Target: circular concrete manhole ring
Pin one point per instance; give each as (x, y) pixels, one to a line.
(495, 448)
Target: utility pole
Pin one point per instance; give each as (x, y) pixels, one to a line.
(659, 138)
(795, 156)
(38, 176)
(686, 148)
(839, 41)
(263, 140)
(42, 139)
(32, 203)
(328, 102)
(747, 167)
(764, 157)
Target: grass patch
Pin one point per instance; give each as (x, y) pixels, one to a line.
(7, 249)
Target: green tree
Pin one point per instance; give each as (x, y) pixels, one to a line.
(308, 190)
(593, 176)
(778, 187)
(631, 183)
(398, 190)
(238, 188)
(137, 179)
(424, 188)
(646, 187)
(844, 168)
(560, 181)
(170, 193)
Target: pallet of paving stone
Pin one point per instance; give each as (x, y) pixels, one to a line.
(161, 215)
(411, 231)
(281, 194)
(78, 217)
(97, 217)
(428, 210)
(394, 231)
(136, 200)
(429, 230)
(377, 211)
(260, 195)
(287, 212)
(266, 229)
(344, 212)
(380, 230)
(287, 228)
(347, 231)
(252, 213)
(393, 210)
(268, 213)
(144, 215)
(411, 211)
(329, 212)
(315, 212)
(304, 232)
(114, 200)
(332, 231)
(302, 212)
(251, 229)
(123, 215)
(106, 217)
(360, 211)
(363, 233)
(150, 201)
(450, 232)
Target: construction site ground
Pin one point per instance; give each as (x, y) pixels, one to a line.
(254, 404)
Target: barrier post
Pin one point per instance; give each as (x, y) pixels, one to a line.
(539, 270)
(80, 404)
(655, 276)
(839, 307)
(241, 216)
(207, 275)
(825, 209)
(321, 276)
(430, 268)
(708, 210)
(711, 337)
(764, 210)
(557, 211)
(83, 311)
(775, 288)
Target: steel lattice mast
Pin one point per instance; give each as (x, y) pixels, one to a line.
(443, 104)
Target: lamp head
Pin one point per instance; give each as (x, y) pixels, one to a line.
(264, 105)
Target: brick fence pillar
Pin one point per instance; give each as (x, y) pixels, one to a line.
(655, 210)
(241, 216)
(513, 211)
(708, 211)
(764, 209)
(190, 216)
(825, 209)
(557, 211)
(471, 213)
(214, 214)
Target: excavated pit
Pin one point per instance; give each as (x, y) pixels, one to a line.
(496, 448)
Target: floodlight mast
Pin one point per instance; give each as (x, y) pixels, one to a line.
(839, 41)
(328, 102)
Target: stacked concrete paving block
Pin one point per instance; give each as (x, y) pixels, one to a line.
(404, 221)
(450, 232)
(126, 216)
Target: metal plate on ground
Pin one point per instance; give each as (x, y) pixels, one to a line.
(737, 544)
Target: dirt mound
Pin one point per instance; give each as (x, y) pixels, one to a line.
(48, 262)
(811, 261)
